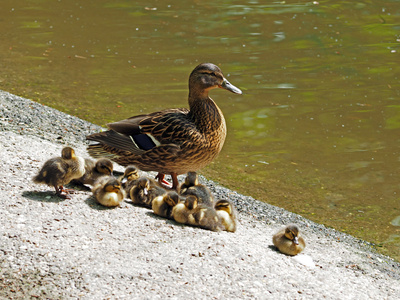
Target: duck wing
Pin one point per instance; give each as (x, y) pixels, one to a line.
(167, 130)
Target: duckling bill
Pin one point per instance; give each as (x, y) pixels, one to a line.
(172, 141)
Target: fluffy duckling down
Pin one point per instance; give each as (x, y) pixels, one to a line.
(59, 171)
(108, 192)
(191, 186)
(145, 191)
(129, 179)
(163, 205)
(196, 214)
(95, 169)
(288, 240)
(227, 213)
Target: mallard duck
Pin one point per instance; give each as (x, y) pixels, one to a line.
(196, 214)
(108, 191)
(144, 191)
(95, 169)
(163, 205)
(171, 141)
(191, 186)
(59, 171)
(227, 213)
(129, 179)
(288, 240)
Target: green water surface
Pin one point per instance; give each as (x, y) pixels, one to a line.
(317, 130)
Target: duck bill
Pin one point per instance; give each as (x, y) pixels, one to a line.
(145, 191)
(296, 240)
(230, 87)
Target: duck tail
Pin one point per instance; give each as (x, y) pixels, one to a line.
(111, 144)
(38, 178)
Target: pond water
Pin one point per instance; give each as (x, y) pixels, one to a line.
(317, 130)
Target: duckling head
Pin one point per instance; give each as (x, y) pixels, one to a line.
(207, 76)
(191, 202)
(191, 179)
(172, 198)
(144, 184)
(68, 153)
(224, 205)
(112, 186)
(104, 166)
(292, 232)
(131, 173)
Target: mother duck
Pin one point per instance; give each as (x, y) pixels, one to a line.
(172, 141)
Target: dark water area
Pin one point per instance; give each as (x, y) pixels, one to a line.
(317, 130)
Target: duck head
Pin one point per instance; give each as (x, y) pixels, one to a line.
(292, 232)
(104, 166)
(207, 76)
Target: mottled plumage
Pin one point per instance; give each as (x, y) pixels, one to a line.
(59, 171)
(288, 240)
(172, 141)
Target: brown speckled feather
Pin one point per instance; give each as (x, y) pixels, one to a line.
(172, 140)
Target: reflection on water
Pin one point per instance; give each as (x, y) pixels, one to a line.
(317, 129)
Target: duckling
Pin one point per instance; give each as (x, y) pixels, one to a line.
(191, 179)
(129, 179)
(227, 213)
(163, 205)
(108, 191)
(288, 240)
(191, 186)
(196, 214)
(59, 171)
(182, 211)
(95, 170)
(145, 191)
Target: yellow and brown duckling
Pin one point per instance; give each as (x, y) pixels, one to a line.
(227, 213)
(182, 211)
(171, 141)
(59, 171)
(129, 179)
(95, 169)
(288, 240)
(144, 191)
(193, 213)
(108, 191)
(191, 186)
(163, 205)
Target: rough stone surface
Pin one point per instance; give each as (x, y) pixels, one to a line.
(54, 248)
